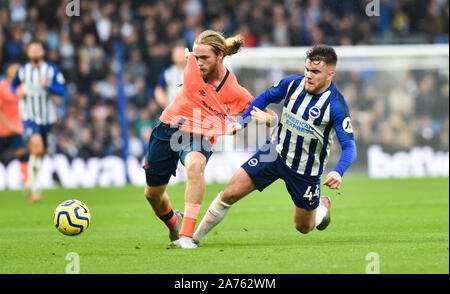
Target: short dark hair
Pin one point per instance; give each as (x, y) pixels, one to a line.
(323, 53)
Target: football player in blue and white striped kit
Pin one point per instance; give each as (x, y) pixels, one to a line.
(314, 111)
(171, 78)
(40, 86)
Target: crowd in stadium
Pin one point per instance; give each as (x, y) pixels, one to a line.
(83, 48)
(412, 113)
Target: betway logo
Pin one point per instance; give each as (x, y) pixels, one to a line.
(218, 113)
(417, 162)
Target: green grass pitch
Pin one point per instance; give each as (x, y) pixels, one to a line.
(405, 222)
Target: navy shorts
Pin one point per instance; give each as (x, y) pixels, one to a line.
(32, 128)
(264, 169)
(11, 142)
(8, 147)
(166, 146)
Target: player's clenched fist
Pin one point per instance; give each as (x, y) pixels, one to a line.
(334, 180)
(232, 128)
(266, 116)
(187, 53)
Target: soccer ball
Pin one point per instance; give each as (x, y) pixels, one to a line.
(72, 217)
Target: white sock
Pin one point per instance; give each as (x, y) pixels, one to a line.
(31, 169)
(34, 165)
(320, 213)
(214, 215)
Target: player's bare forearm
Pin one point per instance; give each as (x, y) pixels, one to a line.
(161, 97)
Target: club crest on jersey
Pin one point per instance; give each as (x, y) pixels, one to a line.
(253, 162)
(347, 125)
(314, 112)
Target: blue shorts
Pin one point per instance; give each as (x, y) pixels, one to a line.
(9, 146)
(166, 146)
(32, 128)
(11, 142)
(264, 170)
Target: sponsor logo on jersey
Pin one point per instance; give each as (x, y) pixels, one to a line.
(347, 125)
(218, 113)
(297, 124)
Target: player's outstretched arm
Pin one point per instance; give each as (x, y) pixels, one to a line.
(161, 97)
(258, 103)
(268, 117)
(334, 178)
(275, 94)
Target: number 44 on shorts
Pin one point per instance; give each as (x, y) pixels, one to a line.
(310, 194)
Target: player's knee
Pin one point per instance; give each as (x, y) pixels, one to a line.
(230, 196)
(37, 148)
(195, 167)
(147, 194)
(227, 197)
(151, 193)
(37, 151)
(304, 229)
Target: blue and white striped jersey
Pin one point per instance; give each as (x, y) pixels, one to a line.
(171, 79)
(38, 105)
(308, 124)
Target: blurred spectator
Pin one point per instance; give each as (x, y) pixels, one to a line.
(13, 48)
(135, 145)
(83, 47)
(68, 58)
(141, 98)
(107, 88)
(144, 125)
(18, 10)
(116, 142)
(85, 76)
(86, 150)
(136, 65)
(91, 52)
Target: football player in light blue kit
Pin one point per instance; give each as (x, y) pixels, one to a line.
(314, 111)
(42, 85)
